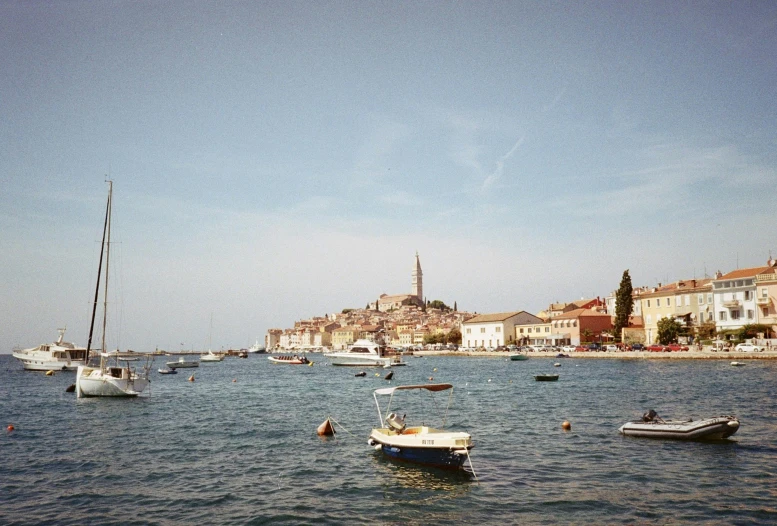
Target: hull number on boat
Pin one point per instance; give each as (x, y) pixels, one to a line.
(427, 442)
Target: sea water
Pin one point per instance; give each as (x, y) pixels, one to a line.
(239, 445)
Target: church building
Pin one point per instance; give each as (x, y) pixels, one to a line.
(416, 297)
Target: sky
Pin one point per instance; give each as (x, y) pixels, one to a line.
(275, 161)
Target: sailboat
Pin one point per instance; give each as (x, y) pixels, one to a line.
(211, 356)
(107, 379)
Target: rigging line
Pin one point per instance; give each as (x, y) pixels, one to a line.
(339, 424)
(472, 467)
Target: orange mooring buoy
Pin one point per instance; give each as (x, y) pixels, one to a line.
(566, 426)
(191, 378)
(326, 429)
(234, 380)
(10, 427)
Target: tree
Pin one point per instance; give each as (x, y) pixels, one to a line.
(454, 336)
(587, 335)
(668, 329)
(751, 330)
(437, 304)
(624, 305)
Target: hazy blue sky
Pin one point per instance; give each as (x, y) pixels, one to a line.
(275, 161)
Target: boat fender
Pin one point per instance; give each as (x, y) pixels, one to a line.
(378, 447)
(49, 373)
(371, 442)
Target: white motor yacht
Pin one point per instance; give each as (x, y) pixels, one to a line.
(363, 353)
(57, 356)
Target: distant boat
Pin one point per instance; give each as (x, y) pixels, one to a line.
(363, 353)
(57, 356)
(518, 357)
(289, 360)
(183, 363)
(167, 371)
(256, 348)
(211, 357)
(546, 377)
(108, 380)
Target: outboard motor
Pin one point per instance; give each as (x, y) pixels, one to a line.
(396, 422)
(649, 416)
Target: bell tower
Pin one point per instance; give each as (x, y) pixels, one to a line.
(418, 280)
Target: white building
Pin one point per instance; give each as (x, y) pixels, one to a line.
(493, 330)
(734, 298)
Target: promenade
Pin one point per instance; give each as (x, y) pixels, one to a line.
(641, 355)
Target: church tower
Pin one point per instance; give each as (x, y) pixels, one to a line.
(418, 280)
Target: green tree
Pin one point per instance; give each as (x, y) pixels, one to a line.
(437, 304)
(587, 335)
(453, 337)
(668, 329)
(624, 305)
(752, 331)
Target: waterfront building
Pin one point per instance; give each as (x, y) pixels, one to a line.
(689, 302)
(582, 325)
(273, 338)
(493, 330)
(345, 336)
(766, 299)
(734, 297)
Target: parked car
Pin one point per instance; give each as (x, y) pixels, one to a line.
(748, 347)
(611, 348)
(594, 347)
(656, 347)
(581, 348)
(568, 348)
(637, 347)
(676, 347)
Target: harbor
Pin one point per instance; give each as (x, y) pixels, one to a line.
(229, 448)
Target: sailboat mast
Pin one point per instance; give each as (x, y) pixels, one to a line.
(97, 286)
(107, 262)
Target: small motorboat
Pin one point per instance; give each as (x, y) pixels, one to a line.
(546, 377)
(212, 357)
(653, 426)
(737, 364)
(518, 357)
(420, 444)
(167, 371)
(183, 363)
(289, 360)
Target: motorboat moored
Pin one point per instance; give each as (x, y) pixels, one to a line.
(167, 371)
(57, 356)
(546, 377)
(363, 353)
(653, 426)
(212, 357)
(183, 363)
(518, 357)
(289, 360)
(420, 444)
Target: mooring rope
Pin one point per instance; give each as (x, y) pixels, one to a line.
(341, 426)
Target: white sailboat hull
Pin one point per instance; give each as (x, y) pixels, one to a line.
(92, 381)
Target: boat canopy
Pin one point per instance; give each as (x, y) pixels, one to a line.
(428, 387)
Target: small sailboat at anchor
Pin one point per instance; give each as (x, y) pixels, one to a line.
(117, 380)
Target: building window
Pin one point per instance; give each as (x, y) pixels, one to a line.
(520, 330)
(700, 298)
(709, 298)
(764, 294)
(547, 329)
(658, 302)
(528, 330)
(750, 314)
(722, 316)
(649, 319)
(574, 323)
(735, 314)
(748, 295)
(482, 330)
(469, 330)
(499, 329)
(648, 303)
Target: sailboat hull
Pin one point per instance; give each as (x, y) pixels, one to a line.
(92, 381)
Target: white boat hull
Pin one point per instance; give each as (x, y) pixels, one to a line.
(423, 445)
(92, 381)
(31, 362)
(708, 429)
(182, 365)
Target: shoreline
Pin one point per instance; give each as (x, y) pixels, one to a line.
(618, 355)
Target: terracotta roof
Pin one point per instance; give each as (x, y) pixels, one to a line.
(579, 313)
(485, 318)
(743, 273)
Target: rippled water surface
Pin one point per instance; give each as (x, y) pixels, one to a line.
(239, 446)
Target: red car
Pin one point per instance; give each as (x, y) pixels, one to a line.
(676, 347)
(580, 348)
(656, 347)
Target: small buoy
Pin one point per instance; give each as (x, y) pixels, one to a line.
(430, 378)
(566, 426)
(556, 364)
(49, 373)
(10, 427)
(489, 380)
(361, 374)
(71, 388)
(234, 380)
(377, 374)
(191, 378)
(310, 364)
(325, 429)
(389, 376)
(435, 369)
